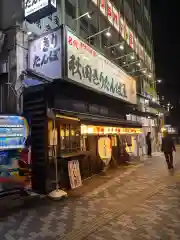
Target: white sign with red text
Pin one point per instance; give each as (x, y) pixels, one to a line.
(103, 6)
(89, 68)
(116, 19)
(110, 12)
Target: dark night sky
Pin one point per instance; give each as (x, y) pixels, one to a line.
(166, 48)
(166, 45)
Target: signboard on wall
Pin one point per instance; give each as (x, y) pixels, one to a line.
(45, 55)
(74, 174)
(89, 68)
(115, 18)
(37, 9)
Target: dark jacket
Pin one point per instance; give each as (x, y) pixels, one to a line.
(168, 145)
(148, 140)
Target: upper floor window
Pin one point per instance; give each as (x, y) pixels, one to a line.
(139, 29)
(146, 14)
(128, 11)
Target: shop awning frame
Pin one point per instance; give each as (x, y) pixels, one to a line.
(98, 120)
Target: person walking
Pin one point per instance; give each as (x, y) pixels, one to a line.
(149, 145)
(168, 147)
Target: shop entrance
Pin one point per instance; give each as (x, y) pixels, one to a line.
(75, 136)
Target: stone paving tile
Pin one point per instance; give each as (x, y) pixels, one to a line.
(55, 220)
(157, 218)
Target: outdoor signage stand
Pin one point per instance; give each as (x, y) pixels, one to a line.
(57, 194)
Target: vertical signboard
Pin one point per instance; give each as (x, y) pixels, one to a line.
(110, 12)
(45, 55)
(103, 6)
(116, 18)
(131, 39)
(74, 174)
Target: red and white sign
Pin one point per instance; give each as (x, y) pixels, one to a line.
(74, 174)
(131, 39)
(116, 19)
(110, 12)
(103, 6)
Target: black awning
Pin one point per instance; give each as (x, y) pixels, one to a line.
(99, 120)
(144, 114)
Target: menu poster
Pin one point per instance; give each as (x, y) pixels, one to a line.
(74, 174)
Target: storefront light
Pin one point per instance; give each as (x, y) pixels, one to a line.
(108, 33)
(105, 130)
(121, 46)
(132, 57)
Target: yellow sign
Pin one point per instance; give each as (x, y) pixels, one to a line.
(90, 129)
(67, 117)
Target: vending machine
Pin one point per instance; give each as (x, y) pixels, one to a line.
(14, 132)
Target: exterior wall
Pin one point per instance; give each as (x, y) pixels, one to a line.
(137, 14)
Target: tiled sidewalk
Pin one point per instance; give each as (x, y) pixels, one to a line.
(90, 216)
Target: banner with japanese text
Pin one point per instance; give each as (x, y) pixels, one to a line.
(116, 19)
(110, 12)
(89, 68)
(103, 6)
(74, 174)
(45, 55)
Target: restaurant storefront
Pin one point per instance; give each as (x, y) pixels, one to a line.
(79, 115)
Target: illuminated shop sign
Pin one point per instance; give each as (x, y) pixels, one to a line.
(115, 18)
(88, 129)
(37, 9)
(91, 69)
(45, 55)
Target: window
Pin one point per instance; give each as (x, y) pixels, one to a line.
(70, 9)
(139, 29)
(69, 138)
(128, 11)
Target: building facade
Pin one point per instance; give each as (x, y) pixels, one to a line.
(130, 45)
(84, 71)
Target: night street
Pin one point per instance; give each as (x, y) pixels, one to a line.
(142, 203)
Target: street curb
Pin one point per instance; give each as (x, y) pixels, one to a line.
(113, 181)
